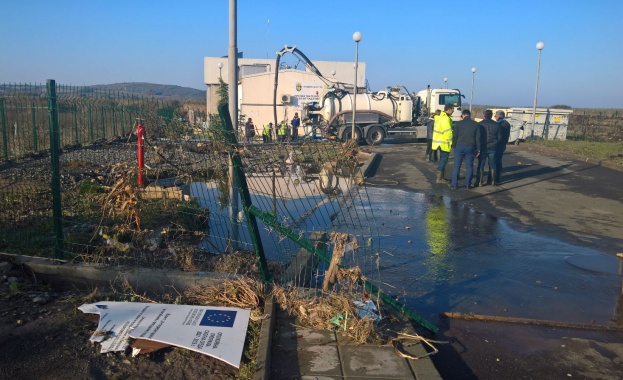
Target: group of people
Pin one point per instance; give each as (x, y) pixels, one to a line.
(485, 140)
(267, 131)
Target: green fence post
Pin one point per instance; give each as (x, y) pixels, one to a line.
(103, 124)
(76, 123)
(35, 142)
(56, 170)
(5, 143)
(114, 122)
(91, 122)
(122, 120)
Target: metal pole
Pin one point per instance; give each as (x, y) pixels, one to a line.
(539, 47)
(233, 112)
(356, 37)
(355, 89)
(471, 98)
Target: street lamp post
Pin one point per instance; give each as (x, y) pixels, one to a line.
(471, 98)
(356, 37)
(220, 68)
(539, 47)
(445, 82)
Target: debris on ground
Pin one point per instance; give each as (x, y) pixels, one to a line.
(215, 331)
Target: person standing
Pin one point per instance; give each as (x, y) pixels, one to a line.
(249, 130)
(466, 143)
(431, 155)
(296, 123)
(266, 132)
(282, 132)
(492, 137)
(442, 139)
(505, 129)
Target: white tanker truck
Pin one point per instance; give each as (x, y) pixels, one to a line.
(391, 114)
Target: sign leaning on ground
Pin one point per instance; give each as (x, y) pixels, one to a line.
(215, 331)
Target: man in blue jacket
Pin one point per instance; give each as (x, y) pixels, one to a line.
(466, 143)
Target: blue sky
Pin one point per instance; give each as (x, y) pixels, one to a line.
(405, 42)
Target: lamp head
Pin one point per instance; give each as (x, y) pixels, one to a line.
(220, 65)
(473, 69)
(357, 36)
(540, 45)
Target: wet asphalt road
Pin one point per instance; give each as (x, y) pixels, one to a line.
(542, 246)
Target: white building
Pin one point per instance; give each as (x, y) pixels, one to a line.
(296, 85)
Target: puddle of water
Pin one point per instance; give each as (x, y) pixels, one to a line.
(438, 256)
(443, 257)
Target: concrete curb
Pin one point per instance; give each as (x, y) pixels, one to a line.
(606, 164)
(368, 165)
(63, 273)
(263, 357)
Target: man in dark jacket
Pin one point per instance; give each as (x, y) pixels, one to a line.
(466, 143)
(505, 127)
(492, 138)
(431, 155)
(296, 123)
(249, 130)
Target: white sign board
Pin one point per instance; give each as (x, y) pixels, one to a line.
(216, 331)
(307, 92)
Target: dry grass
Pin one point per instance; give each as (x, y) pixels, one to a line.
(244, 292)
(331, 311)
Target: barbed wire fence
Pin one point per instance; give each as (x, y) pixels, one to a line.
(70, 187)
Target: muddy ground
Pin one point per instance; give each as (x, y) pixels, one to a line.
(44, 336)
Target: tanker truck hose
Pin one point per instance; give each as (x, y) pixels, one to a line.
(376, 96)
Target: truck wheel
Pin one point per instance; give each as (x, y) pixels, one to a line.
(376, 136)
(346, 135)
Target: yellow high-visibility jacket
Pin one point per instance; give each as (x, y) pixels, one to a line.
(266, 131)
(442, 133)
(283, 129)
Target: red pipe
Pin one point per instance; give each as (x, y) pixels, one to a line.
(141, 154)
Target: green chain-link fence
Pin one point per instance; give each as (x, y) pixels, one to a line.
(69, 188)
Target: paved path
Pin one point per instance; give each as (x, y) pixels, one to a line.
(545, 193)
(303, 353)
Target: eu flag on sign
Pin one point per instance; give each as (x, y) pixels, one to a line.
(218, 318)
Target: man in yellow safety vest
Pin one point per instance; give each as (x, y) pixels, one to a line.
(442, 139)
(283, 131)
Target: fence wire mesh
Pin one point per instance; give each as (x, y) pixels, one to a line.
(307, 195)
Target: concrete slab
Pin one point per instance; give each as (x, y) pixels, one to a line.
(367, 362)
(312, 361)
(424, 369)
(289, 334)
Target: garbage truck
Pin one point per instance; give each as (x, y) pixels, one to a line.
(390, 114)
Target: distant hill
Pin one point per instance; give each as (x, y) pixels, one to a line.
(156, 90)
